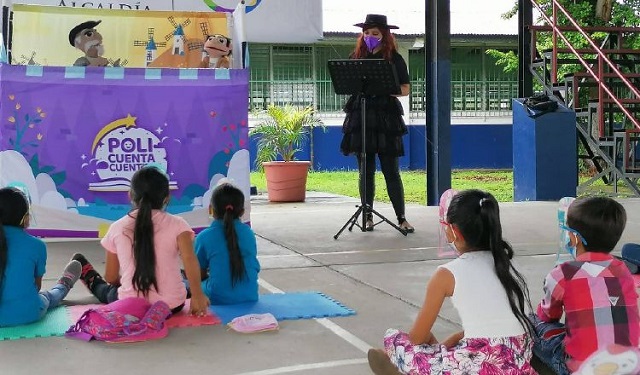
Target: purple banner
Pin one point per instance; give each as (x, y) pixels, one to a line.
(74, 136)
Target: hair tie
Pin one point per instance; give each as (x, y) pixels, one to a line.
(482, 201)
(228, 207)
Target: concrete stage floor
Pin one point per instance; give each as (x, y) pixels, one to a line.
(380, 274)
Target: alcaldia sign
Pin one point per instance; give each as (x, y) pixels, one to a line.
(99, 5)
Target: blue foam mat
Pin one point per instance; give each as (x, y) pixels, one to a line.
(286, 306)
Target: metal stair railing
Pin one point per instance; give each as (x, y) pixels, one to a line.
(630, 135)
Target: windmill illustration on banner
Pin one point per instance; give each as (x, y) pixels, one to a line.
(25, 60)
(199, 44)
(150, 45)
(118, 62)
(177, 35)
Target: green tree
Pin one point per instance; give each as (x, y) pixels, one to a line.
(624, 13)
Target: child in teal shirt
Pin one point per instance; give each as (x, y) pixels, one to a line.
(22, 264)
(227, 251)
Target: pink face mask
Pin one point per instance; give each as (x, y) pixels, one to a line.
(372, 42)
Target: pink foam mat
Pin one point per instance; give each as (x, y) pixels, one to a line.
(181, 319)
(184, 319)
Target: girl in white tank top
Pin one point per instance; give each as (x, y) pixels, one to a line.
(489, 294)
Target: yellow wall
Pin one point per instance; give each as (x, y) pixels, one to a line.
(45, 32)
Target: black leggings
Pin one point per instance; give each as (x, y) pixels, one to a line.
(391, 171)
(107, 293)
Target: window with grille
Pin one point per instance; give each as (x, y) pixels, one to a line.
(298, 75)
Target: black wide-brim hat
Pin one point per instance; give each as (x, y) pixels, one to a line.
(376, 20)
(80, 27)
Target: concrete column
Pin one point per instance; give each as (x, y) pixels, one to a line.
(525, 19)
(438, 65)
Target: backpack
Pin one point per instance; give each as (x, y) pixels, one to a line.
(126, 320)
(539, 104)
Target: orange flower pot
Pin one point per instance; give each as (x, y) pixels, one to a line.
(286, 181)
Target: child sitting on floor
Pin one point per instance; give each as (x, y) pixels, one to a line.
(489, 294)
(144, 250)
(227, 251)
(22, 265)
(595, 292)
(631, 256)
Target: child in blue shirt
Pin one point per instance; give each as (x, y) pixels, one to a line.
(227, 251)
(22, 265)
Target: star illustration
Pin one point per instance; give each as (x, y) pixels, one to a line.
(93, 173)
(83, 156)
(130, 121)
(159, 130)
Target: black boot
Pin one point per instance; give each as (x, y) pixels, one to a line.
(369, 224)
(404, 224)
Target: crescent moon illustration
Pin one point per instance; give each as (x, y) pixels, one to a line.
(249, 6)
(127, 122)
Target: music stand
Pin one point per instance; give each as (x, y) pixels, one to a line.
(364, 77)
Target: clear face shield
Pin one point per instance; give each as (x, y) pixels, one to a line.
(25, 192)
(444, 250)
(565, 250)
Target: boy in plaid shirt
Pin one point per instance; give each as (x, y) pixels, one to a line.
(595, 291)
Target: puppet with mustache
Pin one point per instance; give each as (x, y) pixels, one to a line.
(88, 40)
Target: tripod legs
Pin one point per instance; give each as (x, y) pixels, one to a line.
(364, 209)
(353, 220)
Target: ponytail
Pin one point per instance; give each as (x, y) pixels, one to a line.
(512, 281)
(477, 215)
(4, 250)
(14, 206)
(236, 263)
(227, 202)
(144, 255)
(149, 191)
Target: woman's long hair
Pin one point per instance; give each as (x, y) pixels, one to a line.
(13, 208)
(149, 191)
(388, 45)
(477, 215)
(227, 202)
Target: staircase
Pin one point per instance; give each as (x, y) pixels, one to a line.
(603, 90)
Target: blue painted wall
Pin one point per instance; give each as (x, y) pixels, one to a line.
(481, 146)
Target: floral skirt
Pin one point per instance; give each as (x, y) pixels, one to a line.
(474, 356)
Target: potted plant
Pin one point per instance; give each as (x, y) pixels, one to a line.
(280, 136)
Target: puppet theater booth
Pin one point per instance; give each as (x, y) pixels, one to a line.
(72, 136)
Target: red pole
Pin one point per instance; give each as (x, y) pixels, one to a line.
(554, 53)
(600, 97)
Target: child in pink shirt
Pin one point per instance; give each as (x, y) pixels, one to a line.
(144, 250)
